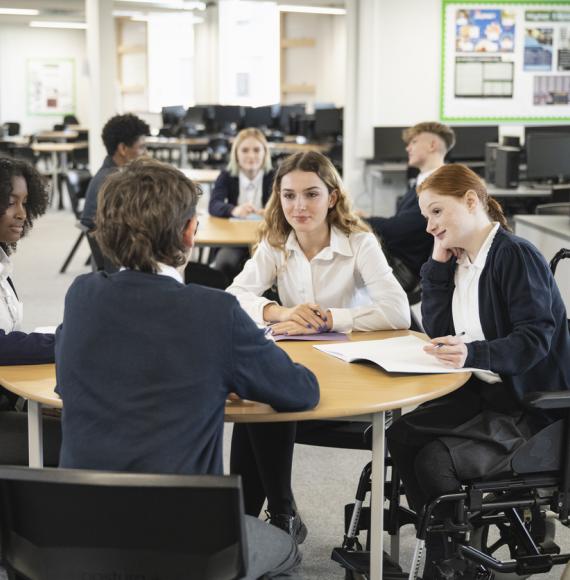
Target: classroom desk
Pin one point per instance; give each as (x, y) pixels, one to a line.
(219, 232)
(59, 153)
(523, 190)
(203, 176)
(60, 136)
(182, 144)
(347, 391)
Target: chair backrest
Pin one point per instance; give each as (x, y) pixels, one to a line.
(58, 523)
(562, 208)
(12, 129)
(24, 152)
(77, 181)
(70, 120)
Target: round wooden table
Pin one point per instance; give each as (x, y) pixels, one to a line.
(219, 232)
(348, 390)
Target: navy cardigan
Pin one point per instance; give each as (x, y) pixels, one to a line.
(404, 234)
(522, 315)
(225, 193)
(21, 348)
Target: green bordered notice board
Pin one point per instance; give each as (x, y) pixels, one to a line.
(505, 61)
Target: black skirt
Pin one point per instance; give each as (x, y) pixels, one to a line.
(481, 424)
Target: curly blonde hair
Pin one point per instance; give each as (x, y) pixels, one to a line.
(276, 229)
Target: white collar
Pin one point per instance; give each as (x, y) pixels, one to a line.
(165, 270)
(5, 264)
(339, 244)
(244, 180)
(423, 176)
(171, 271)
(481, 258)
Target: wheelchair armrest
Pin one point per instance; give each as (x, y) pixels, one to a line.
(548, 400)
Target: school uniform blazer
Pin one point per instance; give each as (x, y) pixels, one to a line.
(225, 193)
(404, 234)
(22, 348)
(522, 315)
(90, 208)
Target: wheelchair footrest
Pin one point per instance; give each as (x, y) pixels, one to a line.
(534, 564)
(360, 562)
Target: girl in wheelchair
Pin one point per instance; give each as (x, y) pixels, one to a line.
(490, 302)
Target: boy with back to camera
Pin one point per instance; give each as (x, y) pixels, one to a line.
(145, 370)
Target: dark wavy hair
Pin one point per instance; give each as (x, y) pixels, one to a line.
(142, 212)
(123, 129)
(37, 202)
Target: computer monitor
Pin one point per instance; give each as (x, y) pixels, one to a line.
(260, 117)
(547, 156)
(287, 114)
(545, 129)
(388, 145)
(172, 115)
(227, 117)
(470, 142)
(196, 115)
(328, 123)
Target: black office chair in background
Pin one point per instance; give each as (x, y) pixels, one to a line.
(11, 129)
(217, 152)
(58, 524)
(76, 182)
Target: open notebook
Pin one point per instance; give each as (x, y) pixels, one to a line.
(404, 354)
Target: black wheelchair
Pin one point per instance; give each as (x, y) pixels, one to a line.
(502, 529)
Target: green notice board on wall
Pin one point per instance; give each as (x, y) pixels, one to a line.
(505, 61)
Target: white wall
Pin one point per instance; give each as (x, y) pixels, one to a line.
(408, 43)
(20, 43)
(322, 65)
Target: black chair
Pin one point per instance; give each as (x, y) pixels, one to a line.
(25, 153)
(217, 152)
(197, 273)
(12, 129)
(76, 182)
(58, 524)
(70, 120)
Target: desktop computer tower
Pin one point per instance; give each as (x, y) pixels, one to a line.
(507, 167)
(490, 161)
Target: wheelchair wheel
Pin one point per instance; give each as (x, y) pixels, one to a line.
(497, 540)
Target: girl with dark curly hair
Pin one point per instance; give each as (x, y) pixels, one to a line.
(23, 198)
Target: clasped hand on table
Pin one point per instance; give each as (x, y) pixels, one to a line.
(301, 319)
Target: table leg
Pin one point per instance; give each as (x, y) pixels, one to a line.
(54, 175)
(35, 435)
(377, 497)
(63, 169)
(184, 155)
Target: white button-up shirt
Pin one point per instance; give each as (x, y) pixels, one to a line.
(465, 303)
(350, 277)
(251, 190)
(11, 309)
